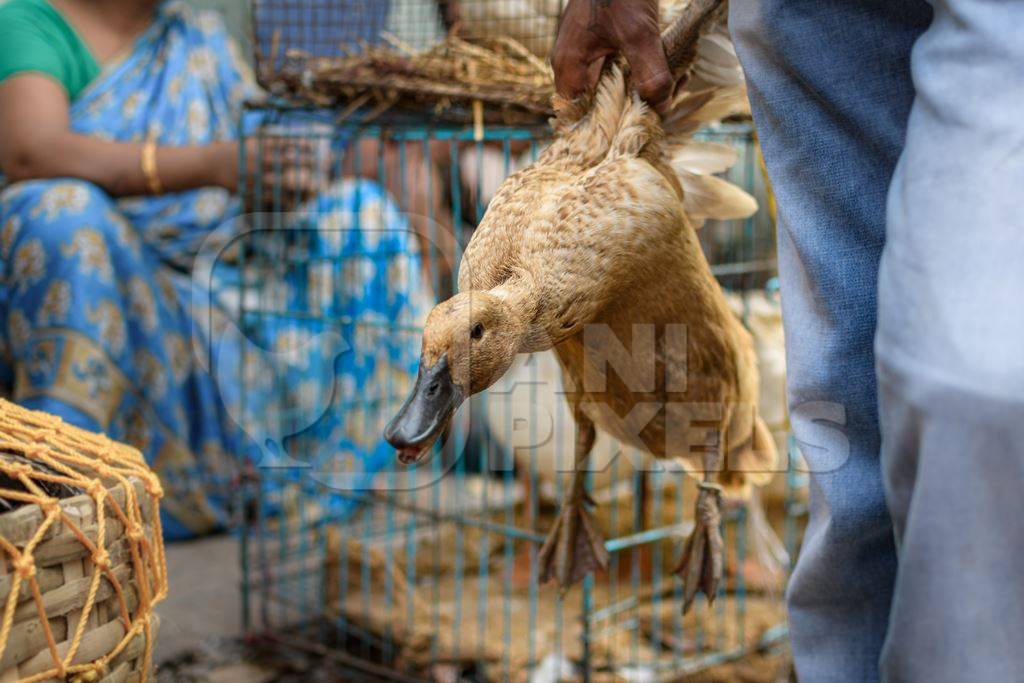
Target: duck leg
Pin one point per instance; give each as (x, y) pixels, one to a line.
(574, 547)
(703, 554)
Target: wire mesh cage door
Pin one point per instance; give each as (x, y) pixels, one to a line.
(430, 572)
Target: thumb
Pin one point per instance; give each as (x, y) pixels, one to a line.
(650, 73)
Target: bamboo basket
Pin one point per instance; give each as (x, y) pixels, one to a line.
(81, 553)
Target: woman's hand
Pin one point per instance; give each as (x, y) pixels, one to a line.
(285, 170)
(591, 30)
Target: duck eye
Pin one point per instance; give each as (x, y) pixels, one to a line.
(477, 332)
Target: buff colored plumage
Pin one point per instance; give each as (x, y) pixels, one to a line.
(593, 251)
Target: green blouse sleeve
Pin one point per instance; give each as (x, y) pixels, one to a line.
(34, 37)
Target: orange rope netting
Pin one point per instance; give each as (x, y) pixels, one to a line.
(41, 452)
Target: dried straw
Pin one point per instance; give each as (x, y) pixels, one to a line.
(452, 75)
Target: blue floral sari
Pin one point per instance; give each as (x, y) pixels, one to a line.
(105, 323)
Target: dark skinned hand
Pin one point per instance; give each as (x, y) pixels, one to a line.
(591, 30)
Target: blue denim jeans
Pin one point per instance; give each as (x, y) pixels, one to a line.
(893, 133)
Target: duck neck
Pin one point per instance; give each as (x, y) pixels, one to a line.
(522, 304)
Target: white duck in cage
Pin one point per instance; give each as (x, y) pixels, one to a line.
(532, 23)
(593, 252)
(423, 23)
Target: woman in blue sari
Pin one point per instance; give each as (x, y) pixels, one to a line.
(119, 150)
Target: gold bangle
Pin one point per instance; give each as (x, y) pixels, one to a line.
(149, 168)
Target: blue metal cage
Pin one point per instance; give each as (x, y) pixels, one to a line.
(430, 573)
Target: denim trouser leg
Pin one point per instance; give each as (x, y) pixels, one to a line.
(950, 350)
(831, 92)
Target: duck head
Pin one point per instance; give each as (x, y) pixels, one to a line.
(469, 342)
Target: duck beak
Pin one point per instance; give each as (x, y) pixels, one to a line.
(426, 414)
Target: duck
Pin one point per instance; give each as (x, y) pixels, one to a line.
(532, 23)
(593, 252)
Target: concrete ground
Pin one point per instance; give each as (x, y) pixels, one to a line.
(203, 605)
(201, 622)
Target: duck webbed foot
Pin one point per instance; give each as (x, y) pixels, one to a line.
(574, 547)
(703, 554)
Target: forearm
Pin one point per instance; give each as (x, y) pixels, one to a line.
(117, 166)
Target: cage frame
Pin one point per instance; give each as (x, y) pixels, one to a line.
(418, 132)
